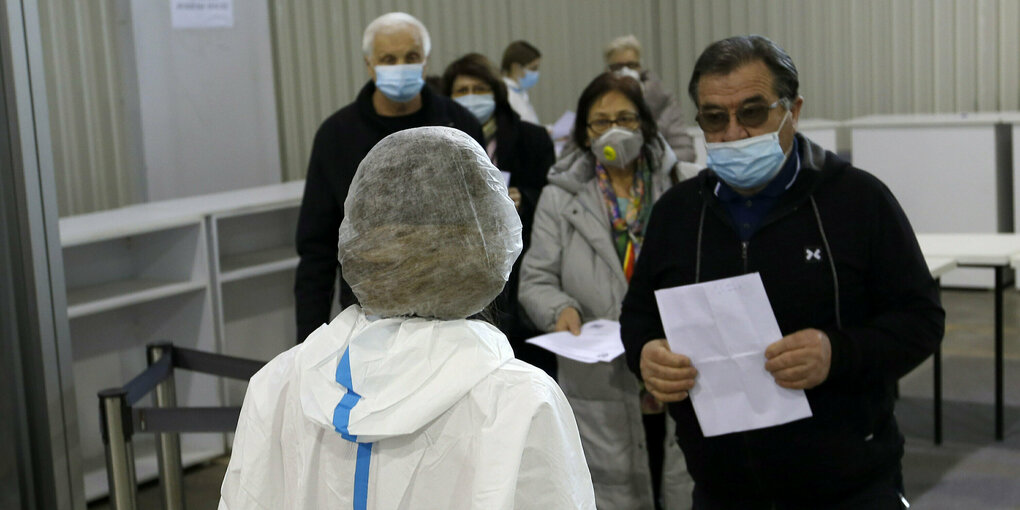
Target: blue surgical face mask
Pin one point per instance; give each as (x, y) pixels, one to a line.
(748, 163)
(529, 80)
(400, 83)
(480, 105)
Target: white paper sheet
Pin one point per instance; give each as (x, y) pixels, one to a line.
(599, 341)
(724, 326)
(202, 14)
(562, 127)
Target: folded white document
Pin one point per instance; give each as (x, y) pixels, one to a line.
(599, 341)
(724, 326)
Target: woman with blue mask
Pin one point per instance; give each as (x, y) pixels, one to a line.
(524, 153)
(520, 72)
(588, 233)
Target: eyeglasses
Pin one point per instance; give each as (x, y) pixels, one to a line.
(626, 120)
(620, 65)
(749, 116)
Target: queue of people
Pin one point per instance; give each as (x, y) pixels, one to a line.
(450, 232)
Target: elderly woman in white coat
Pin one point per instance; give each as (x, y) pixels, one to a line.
(587, 233)
(404, 401)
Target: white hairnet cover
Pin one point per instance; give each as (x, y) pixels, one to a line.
(428, 227)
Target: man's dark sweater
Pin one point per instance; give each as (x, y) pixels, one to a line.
(341, 143)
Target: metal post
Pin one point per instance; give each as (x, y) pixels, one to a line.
(937, 374)
(1000, 286)
(168, 445)
(115, 418)
(938, 394)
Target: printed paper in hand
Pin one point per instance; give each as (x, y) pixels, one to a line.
(724, 326)
(599, 341)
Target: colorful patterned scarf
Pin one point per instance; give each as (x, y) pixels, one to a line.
(628, 227)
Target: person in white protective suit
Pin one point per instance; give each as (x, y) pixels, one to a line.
(405, 401)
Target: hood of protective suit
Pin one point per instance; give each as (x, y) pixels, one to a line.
(429, 229)
(403, 372)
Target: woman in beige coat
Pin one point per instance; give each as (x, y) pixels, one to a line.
(587, 233)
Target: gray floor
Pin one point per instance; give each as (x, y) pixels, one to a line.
(969, 470)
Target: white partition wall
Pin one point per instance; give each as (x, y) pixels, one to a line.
(821, 131)
(941, 168)
(207, 105)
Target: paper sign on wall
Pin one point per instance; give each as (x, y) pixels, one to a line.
(202, 13)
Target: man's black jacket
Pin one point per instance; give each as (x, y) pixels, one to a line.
(891, 320)
(341, 143)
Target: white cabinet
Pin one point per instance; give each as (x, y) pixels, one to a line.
(213, 273)
(253, 263)
(136, 276)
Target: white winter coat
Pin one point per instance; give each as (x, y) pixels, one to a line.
(572, 261)
(404, 414)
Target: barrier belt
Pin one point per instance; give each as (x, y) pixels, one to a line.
(146, 381)
(216, 364)
(186, 419)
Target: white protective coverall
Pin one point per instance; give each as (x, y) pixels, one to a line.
(405, 412)
(446, 419)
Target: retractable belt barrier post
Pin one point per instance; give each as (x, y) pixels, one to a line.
(168, 445)
(115, 418)
(120, 421)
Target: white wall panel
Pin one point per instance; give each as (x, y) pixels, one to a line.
(922, 74)
(90, 137)
(1008, 92)
(856, 58)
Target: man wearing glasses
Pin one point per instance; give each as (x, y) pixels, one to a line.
(844, 276)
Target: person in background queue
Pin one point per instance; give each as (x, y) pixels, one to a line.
(396, 47)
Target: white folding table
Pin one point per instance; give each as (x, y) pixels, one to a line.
(994, 251)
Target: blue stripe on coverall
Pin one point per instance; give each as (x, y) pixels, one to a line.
(341, 419)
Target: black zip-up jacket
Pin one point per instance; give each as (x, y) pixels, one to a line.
(341, 142)
(889, 320)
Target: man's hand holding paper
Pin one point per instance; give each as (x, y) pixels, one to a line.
(800, 361)
(727, 330)
(668, 376)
